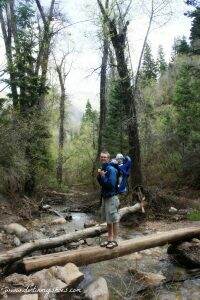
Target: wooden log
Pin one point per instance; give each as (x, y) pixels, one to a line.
(130, 209)
(19, 252)
(95, 254)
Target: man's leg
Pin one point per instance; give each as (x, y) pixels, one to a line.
(115, 231)
(110, 232)
(113, 238)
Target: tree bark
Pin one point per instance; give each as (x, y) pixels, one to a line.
(62, 122)
(6, 27)
(44, 50)
(103, 83)
(19, 252)
(96, 254)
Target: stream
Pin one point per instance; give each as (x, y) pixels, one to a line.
(121, 284)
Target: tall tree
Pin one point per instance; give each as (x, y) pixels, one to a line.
(60, 69)
(89, 114)
(149, 68)
(195, 28)
(27, 70)
(118, 38)
(115, 136)
(161, 63)
(103, 83)
(181, 46)
(186, 102)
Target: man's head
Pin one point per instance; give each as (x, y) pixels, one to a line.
(104, 157)
(119, 158)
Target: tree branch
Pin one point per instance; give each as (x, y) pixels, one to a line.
(51, 10)
(143, 47)
(3, 26)
(39, 6)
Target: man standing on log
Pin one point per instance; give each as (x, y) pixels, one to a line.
(107, 178)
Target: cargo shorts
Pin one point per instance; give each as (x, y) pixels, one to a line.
(109, 210)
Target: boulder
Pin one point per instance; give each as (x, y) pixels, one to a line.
(15, 228)
(19, 280)
(90, 242)
(29, 236)
(55, 278)
(173, 210)
(147, 279)
(186, 253)
(58, 221)
(90, 223)
(69, 274)
(97, 290)
(46, 279)
(46, 207)
(16, 241)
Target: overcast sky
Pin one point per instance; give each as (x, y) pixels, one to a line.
(80, 84)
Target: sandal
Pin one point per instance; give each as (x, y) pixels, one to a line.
(111, 245)
(104, 244)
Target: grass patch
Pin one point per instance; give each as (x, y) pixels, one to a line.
(194, 215)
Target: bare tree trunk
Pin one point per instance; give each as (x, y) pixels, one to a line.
(103, 82)
(103, 102)
(61, 129)
(44, 51)
(62, 76)
(7, 36)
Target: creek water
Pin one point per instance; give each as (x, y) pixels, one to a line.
(122, 285)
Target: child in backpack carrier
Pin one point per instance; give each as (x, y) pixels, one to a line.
(123, 165)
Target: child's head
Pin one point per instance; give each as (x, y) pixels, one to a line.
(119, 158)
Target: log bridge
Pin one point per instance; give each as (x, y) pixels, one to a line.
(95, 254)
(17, 253)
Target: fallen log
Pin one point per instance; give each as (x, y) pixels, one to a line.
(96, 254)
(130, 209)
(19, 252)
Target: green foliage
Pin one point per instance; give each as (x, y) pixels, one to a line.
(115, 137)
(90, 115)
(181, 46)
(13, 165)
(81, 150)
(161, 63)
(195, 31)
(149, 70)
(169, 125)
(27, 58)
(186, 102)
(194, 215)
